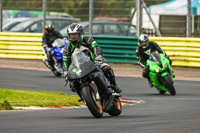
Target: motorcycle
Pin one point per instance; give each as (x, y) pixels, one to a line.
(88, 81)
(160, 73)
(56, 54)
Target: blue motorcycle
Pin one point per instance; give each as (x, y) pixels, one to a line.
(57, 55)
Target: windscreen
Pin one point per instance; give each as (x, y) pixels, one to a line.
(155, 57)
(79, 57)
(59, 42)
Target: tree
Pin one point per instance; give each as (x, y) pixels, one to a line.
(80, 8)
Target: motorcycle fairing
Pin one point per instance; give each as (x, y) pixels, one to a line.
(158, 61)
(81, 64)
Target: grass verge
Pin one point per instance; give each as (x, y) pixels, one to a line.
(25, 98)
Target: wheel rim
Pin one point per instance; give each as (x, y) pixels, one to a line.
(97, 102)
(118, 106)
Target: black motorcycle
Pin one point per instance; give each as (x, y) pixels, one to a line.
(88, 81)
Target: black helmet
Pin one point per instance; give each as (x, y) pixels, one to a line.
(49, 28)
(73, 29)
(143, 40)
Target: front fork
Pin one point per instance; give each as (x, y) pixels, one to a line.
(79, 84)
(155, 79)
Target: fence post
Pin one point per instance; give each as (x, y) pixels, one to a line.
(189, 20)
(44, 14)
(156, 29)
(139, 17)
(90, 16)
(1, 15)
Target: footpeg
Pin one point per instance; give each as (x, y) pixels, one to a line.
(116, 94)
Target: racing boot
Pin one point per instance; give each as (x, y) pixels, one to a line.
(46, 63)
(115, 86)
(173, 74)
(51, 64)
(150, 83)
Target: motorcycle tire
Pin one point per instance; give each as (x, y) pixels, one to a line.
(116, 108)
(161, 91)
(169, 84)
(57, 74)
(94, 106)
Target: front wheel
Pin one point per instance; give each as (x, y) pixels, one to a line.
(161, 91)
(169, 84)
(94, 105)
(57, 74)
(116, 108)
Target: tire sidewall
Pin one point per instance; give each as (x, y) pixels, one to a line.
(169, 84)
(86, 94)
(115, 111)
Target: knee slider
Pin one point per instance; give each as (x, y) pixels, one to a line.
(145, 73)
(107, 71)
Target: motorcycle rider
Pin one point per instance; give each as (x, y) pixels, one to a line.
(143, 52)
(75, 36)
(48, 38)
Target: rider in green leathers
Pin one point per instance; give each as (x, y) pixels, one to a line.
(75, 36)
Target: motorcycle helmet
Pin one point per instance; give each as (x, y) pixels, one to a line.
(143, 40)
(75, 33)
(49, 28)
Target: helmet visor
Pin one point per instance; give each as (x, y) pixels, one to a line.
(143, 43)
(74, 36)
(50, 30)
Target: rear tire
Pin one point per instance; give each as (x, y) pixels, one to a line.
(169, 84)
(116, 108)
(94, 106)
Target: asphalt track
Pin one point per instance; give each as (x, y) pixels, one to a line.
(157, 113)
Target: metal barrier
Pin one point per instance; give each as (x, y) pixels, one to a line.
(117, 49)
(183, 51)
(21, 45)
(28, 46)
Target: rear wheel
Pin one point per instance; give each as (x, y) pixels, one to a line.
(94, 105)
(169, 84)
(116, 108)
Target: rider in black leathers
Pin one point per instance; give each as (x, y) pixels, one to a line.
(48, 38)
(143, 51)
(75, 36)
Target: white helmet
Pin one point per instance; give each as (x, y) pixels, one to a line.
(143, 40)
(75, 28)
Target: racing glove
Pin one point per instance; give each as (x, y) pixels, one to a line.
(47, 49)
(98, 59)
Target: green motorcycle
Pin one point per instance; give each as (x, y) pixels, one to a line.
(160, 73)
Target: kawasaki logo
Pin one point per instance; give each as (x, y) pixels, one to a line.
(148, 51)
